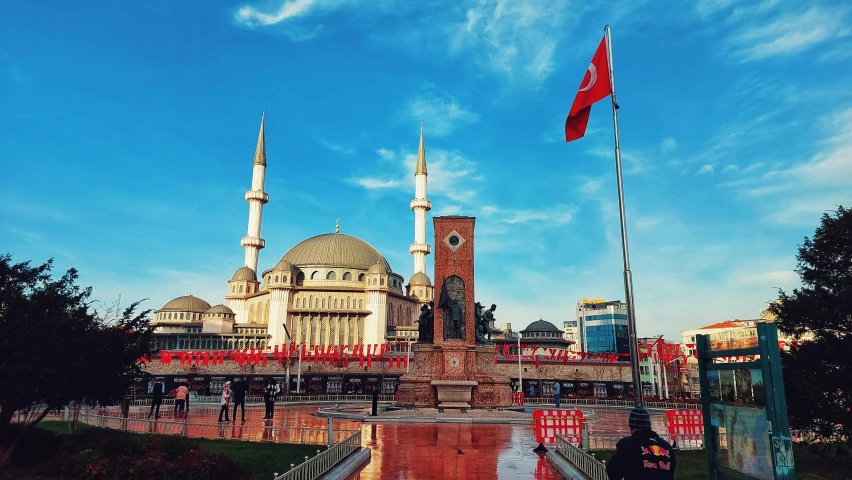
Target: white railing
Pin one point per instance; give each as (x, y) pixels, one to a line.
(257, 399)
(315, 467)
(601, 402)
(584, 461)
(608, 441)
(222, 431)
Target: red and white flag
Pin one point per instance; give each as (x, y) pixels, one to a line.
(594, 87)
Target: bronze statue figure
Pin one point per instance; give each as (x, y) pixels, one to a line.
(452, 305)
(426, 324)
(484, 320)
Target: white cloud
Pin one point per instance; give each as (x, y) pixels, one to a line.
(705, 169)
(377, 183)
(668, 144)
(440, 112)
(252, 17)
(590, 186)
(338, 148)
(489, 209)
(777, 28)
(385, 154)
(730, 168)
(555, 216)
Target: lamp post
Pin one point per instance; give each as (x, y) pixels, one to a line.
(408, 346)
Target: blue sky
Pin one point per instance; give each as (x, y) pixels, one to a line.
(128, 130)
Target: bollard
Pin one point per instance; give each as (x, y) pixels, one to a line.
(67, 414)
(330, 431)
(584, 443)
(274, 475)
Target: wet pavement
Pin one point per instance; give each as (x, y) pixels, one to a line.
(410, 451)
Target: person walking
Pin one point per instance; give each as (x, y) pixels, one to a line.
(556, 388)
(643, 455)
(181, 397)
(226, 401)
(158, 389)
(272, 389)
(239, 390)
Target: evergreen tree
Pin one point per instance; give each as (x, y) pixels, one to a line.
(818, 374)
(56, 349)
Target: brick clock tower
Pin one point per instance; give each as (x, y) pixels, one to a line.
(453, 371)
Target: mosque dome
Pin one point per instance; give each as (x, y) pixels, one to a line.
(541, 326)
(419, 279)
(283, 266)
(243, 274)
(187, 303)
(219, 309)
(337, 250)
(379, 268)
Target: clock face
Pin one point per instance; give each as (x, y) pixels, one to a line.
(454, 362)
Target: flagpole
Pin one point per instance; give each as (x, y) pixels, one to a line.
(628, 277)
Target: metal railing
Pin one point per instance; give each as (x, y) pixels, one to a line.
(607, 441)
(222, 431)
(584, 461)
(315, 467)
(258, 399)
(600, 402)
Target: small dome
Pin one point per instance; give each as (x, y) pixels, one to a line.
(379, 268)
(541, 326)
(186, 304)
(419, 279)
(219, 309)
(283, 266)
(243, 274)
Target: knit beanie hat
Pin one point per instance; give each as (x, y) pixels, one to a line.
(639, 419)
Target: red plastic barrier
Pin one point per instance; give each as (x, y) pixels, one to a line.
(549, 423)
(518, 399)
(686, 424)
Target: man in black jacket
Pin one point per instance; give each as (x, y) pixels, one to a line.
(239, 389)
(158, 389)
(643, 455)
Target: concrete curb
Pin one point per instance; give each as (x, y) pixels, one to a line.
(564, 467)
(350, 465)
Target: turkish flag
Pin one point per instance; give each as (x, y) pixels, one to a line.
(594, 87)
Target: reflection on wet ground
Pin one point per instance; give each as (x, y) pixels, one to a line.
(419, 450)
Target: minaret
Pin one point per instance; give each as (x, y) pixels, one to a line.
(420, 206)
(256, 198)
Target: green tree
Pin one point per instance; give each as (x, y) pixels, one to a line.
(818, 374)
(55, 348)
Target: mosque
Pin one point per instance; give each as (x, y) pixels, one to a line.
(330, 289)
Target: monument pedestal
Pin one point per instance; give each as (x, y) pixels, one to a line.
(455, 362)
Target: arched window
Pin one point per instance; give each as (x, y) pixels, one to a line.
(323, 303)
(276, 278)
(316, 303)
(233, 288)
(348, 302)
(360, 277)
(329, 301)
(375, 280)
(241, 289)
(347, 276)
(284, 278)
(331, 276)
(181, 316)
(382, 282)
(300, 278)
(335, 304)
(360, 304)
(314, 275)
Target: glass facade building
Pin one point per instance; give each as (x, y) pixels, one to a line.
(601, 326)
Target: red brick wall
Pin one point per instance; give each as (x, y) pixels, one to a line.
(460, 263)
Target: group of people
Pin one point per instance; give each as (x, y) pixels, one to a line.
(235, 393)
(158, 391)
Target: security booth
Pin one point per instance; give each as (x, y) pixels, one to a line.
(746, 428)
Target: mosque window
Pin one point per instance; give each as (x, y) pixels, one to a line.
(335, 304)
(241, 289)
(361, 277)
(347, 276)
(331, 276)
(276, 278)
(323, 303)
(375, 281)
(314, 275)
(181, 316)
(360, 304)
(348, 302)
(300, 278)
(382, 282)
(284, 278)
(233, 288)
